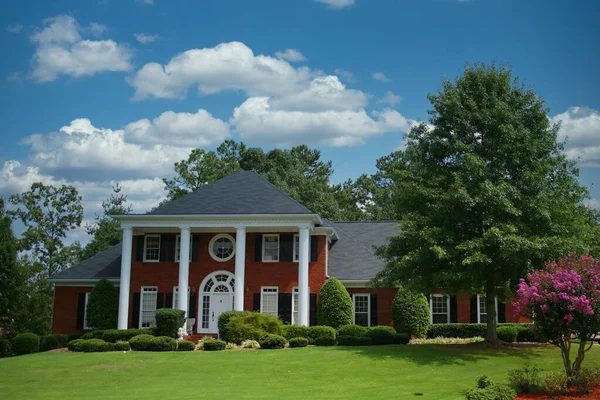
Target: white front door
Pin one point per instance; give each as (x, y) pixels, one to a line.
(220, 301)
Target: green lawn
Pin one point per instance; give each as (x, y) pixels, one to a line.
(382, 372)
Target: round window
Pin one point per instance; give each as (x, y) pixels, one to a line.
(222, 247)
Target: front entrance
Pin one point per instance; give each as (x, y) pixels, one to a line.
(217, 297)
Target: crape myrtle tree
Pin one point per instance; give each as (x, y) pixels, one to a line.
(483, 194)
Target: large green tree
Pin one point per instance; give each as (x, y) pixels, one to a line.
(484, 194)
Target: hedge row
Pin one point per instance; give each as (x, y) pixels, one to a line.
(524, 332)
(96, 346)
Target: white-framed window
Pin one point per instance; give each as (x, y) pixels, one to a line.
(362, 309)
(268, 301)
(85, 323)
(178, 248)
(439, 309)
(222, 247)
(270, 250)
(296, 247)
(176, 296)
(151, 248)
(295, 306)
(148, 299)
(482, 309)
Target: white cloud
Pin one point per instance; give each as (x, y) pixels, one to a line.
(581, 127)
(145, 39)
(96, 29)
(254, 120)
(148, 2)
(16, 28)
(390, 98)
(60, 50)
(346, 75)
(228, 66)
(380, 76)
(338, 4)
(592, 203)
(291, 55)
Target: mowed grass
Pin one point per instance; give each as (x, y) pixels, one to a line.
(382, 372)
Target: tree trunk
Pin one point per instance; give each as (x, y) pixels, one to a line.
(491, 336)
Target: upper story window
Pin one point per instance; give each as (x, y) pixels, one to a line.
(439, 307)
(270, 248)
(178, 248)
(222, 247)
(152, 248)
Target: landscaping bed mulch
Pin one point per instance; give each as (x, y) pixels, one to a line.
(595, 395)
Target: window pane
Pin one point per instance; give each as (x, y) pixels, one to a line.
(222, 248)
(270, 248)
(439, 309)
(295, 307)
(152, 248)
(178, 248)
(148, 307)
(361, 310)
(361, 319)
(269, 301)
(482, 310)
(296, 247)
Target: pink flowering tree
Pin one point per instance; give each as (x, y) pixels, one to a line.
(563, 299)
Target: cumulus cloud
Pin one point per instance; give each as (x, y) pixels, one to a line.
(145, 39)
(61, 50)
(581, 127)
(337, 4)
(16, 28)
(390, 98)
(291, 55)
(346, 75)
(380, 76)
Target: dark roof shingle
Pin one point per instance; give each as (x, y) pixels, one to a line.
(106, 264)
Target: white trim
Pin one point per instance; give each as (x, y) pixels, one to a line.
(178, 245)
(145, 247)
(431, 296)
(212, 242)
(479, 311)
(202, 219)
(202, 293)
(176, 293)
(263, 247)
(142, 304)
(368, 296)
(269, 290)
(85, 325)
(295, 293)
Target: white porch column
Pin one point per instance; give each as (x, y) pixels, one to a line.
(240, 267)
(184, 272)
(303, 294)
(125, 278)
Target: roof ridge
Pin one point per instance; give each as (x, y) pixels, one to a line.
(275, 187)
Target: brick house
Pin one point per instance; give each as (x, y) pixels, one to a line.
(240, 243)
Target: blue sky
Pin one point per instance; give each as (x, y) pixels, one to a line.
(96, 92)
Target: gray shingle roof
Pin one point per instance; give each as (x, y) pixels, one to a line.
(242, 192)
(352, 257)
(106, 264)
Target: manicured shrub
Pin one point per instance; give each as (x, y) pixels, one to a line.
(318, 331)
(410, 313)
(483, 381)
(292, 331)
(401, 339)
(75, 345)
(352, 330)
(335, 304)
(26, 343)
(185, 345)
(325, 341)
(103, 306)
(95, 334)
(214, 345)
(231, 346)
(298, 342)
(250, 344)
(74, 336)
(5, 348)
(528, 333)
(347, 340)
(94, 346)
(115, 335)
(463, 331)
(168, 322)
(163, 343)
(141, 342)
(494, 392)
(381, 334)
(507, 333)
(251, 325)
(272, 342)
(525, 380)
(224, 320)
(120, 346)
(51, 342)
(364, 341)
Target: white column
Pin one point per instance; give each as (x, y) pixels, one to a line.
(184, 272)
(303, 294)
(240, 267)
(125, 278)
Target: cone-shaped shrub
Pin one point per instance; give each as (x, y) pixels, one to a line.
(103, 306)
(335, 304)
(410, 313)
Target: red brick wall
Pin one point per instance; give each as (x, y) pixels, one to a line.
(385, 298)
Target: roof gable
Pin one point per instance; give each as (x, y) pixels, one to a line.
(242, 192)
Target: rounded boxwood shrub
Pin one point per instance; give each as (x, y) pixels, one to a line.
(185, 345)
(381, 334)
(507, 333)
(364, 341)
(51, 342)
(318, 331)
(163, 343)
(410, 313)
(75, 345)
(347, 340)
(26, 343)
(335, 305)
(272, 342)
(224, 320)
(352, 330)
(73, 336)
(214, 345)
(293, 331)
(115, 335)
(325, 341)
(103, 306)
(401, 339)
(5, 348)
(95, 334)
(168, 322)
(298, 342)
(141, 342)
(94, 346)
(252, 325)
(120, 346)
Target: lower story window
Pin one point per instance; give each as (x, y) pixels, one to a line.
(439, 306)
(85, 313)
(295, 306)
(482, 311)
(362, 309)
(268, 301)
(176, 296)
(148, 306)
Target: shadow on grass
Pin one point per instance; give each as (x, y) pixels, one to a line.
(429, 354)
